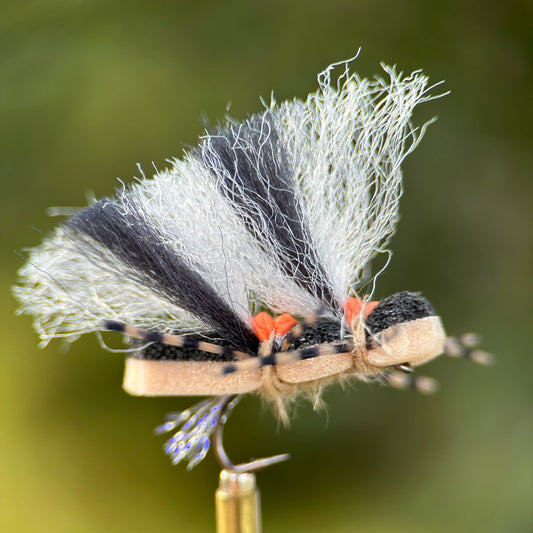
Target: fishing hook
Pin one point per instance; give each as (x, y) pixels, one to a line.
(222, 456)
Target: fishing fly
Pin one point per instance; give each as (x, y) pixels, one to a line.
(239, 269)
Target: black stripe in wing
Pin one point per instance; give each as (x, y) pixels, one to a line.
(253, 173)
(154, 264)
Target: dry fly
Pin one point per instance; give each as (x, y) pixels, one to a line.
(240, 268)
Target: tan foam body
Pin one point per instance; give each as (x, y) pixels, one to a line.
(414, 342)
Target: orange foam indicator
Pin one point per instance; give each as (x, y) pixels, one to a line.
(370, 306)
(283, 324)
(353, 307)
(263, 326)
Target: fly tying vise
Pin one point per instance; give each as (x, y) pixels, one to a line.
(281, 212)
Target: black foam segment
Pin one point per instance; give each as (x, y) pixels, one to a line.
(165, 352)
(400, 307)
(323, 332)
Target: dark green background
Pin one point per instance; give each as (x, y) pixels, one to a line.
(88, 89)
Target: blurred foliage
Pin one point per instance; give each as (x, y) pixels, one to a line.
(89, 88)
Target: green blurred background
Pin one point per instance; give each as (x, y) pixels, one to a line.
(90, 88)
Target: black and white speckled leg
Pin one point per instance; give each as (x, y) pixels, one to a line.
(174, 340)
(465, 347)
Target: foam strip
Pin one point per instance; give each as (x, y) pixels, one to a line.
(416, 341)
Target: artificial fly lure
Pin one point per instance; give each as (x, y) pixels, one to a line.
(237, 269)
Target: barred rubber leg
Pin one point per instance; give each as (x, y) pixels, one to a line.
(288, 357)
(464, 347)
(299, 329)
(174, 340)
(402, 381)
